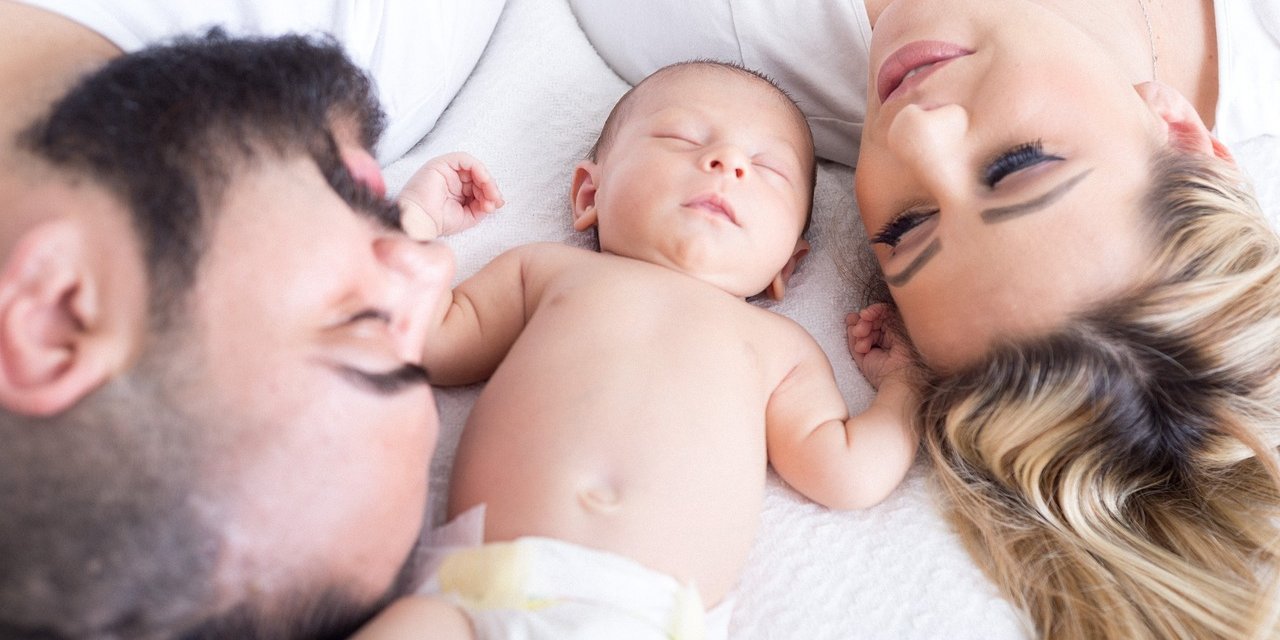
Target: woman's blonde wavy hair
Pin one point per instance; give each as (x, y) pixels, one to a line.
(1119, 478)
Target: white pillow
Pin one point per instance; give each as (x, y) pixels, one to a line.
(419, 52)
(815, 49)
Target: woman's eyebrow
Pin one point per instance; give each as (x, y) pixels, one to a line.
(904, 276)
(1000, 214)
(990, 216)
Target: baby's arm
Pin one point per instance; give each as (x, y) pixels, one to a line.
(446, 195)
(418, 617)
(840, 461)
(472, 330)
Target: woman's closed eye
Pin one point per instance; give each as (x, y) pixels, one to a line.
(1018, 158)
(892, 232)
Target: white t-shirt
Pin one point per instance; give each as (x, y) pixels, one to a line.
(419, 52)
(818, 52)
(1248, 70)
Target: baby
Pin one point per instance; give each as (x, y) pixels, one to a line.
(635, 397)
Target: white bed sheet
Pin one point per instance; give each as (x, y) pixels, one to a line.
(530, 111)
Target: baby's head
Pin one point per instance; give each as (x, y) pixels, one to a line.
(706, 168)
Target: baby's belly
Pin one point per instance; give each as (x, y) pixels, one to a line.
(633, 462)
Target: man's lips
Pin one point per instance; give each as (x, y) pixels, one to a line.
(714, 204)
(921, 57)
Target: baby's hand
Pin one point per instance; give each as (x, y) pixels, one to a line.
(877, 350)
(448, 194)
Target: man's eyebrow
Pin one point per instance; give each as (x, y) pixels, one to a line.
(362, 199)
(904, 276)
(1000, 214)
(380, 209)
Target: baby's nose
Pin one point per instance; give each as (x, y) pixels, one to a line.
(727, 159)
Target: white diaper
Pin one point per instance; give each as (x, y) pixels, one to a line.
(534, 588)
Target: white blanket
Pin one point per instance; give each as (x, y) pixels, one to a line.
(530, 111)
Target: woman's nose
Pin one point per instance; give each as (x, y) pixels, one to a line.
(931, 142)
(421, 275)
(727, 159)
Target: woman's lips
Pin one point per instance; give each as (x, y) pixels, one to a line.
(923, 57)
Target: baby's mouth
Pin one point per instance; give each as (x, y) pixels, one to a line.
(713, 204)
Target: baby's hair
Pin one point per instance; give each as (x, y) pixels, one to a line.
(622, 109)
(1119, 478)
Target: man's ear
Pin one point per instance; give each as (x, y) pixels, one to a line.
(778, 287)
(52, 349)
(583, 195)
(1184, 127)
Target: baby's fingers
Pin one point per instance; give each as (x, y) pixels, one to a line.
(859, 327)
(482, 185)
(876, 313)
(487, 188)
(862, 336)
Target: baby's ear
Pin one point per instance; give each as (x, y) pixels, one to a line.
(1183, 126)
(583, 195)
(779, 285)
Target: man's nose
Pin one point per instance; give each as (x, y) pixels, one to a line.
(727, 159)
(931, 142)
(421, 275)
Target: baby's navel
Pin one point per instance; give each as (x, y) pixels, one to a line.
(601, 499)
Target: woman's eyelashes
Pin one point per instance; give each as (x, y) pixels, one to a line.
(892, 232)
(1022, 156)
(1018, 158)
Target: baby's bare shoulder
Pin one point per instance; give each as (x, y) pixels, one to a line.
(787, 337)
(549, 258)
(551, 251)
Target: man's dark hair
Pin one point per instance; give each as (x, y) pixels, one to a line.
(164, 128)
(108, 527)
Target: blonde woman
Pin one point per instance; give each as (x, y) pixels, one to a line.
(1096, 299)
(1115, 473)
(1091, 292)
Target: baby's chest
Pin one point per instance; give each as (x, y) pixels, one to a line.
(679, 331)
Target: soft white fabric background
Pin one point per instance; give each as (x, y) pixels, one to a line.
(530, 111)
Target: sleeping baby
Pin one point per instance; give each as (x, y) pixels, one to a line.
(617, 456)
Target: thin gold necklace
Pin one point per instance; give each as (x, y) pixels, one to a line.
(1151, 38)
